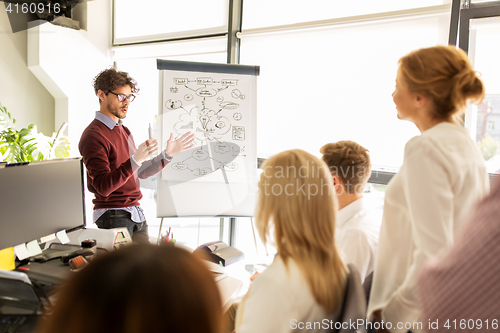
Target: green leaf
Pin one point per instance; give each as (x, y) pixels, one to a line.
(6, 120)
(27, 144)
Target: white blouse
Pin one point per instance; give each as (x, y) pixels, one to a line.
(279, 300)
(442, 177)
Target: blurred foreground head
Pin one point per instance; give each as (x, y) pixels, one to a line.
(139, 288)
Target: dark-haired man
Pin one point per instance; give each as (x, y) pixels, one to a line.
(112, 160)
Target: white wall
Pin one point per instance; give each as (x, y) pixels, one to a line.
(96, 18)
(66, 61)
(20, 91)
(57, 86)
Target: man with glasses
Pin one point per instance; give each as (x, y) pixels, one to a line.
(112, 160)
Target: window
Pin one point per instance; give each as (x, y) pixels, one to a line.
(264, 13)
(481, 120)
(491, 125)
(487, 132)
(374, 198)
(139, 21)
(335, 83)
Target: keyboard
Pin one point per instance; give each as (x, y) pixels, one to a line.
(18, 323)
(10, 324)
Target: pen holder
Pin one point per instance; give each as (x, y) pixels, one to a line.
(165, 238)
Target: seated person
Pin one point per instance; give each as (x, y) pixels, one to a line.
(357, 231)
(306, 281)
(138, 288)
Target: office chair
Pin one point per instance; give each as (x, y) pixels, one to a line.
(354, 303)
(20, 306)
(367, 286)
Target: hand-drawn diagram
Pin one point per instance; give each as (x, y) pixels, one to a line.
(206, 159)
(214, 109)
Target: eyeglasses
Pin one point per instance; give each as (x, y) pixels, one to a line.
(122, 98)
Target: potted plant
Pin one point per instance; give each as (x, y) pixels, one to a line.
(27, 144)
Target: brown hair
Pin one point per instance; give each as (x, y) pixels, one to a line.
(445, 75)
(297, 201)
(110, 79)
(350, 162)
(139, 288)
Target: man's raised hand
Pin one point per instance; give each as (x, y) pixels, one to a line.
(174, 147)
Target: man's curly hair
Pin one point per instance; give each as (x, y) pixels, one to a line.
(110, 79)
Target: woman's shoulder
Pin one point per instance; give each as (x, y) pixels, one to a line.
(280, 275)
(278, 270)
(418, 145)
(272, 284)
(441, 138)
(446, 145)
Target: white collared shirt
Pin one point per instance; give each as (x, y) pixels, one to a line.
(356, 235)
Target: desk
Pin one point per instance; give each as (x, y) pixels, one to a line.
(52, 272)
(229, 288)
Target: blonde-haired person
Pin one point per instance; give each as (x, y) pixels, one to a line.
(306, 281)
(442, 177)
(357, 230)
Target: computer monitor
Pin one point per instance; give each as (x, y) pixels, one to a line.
(40, 198)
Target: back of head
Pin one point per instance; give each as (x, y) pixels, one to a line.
(445, 75)
(297, 203)
(140, 288)
(350, 162)
(295, 189)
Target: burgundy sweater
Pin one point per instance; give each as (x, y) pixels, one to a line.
(111, 175)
